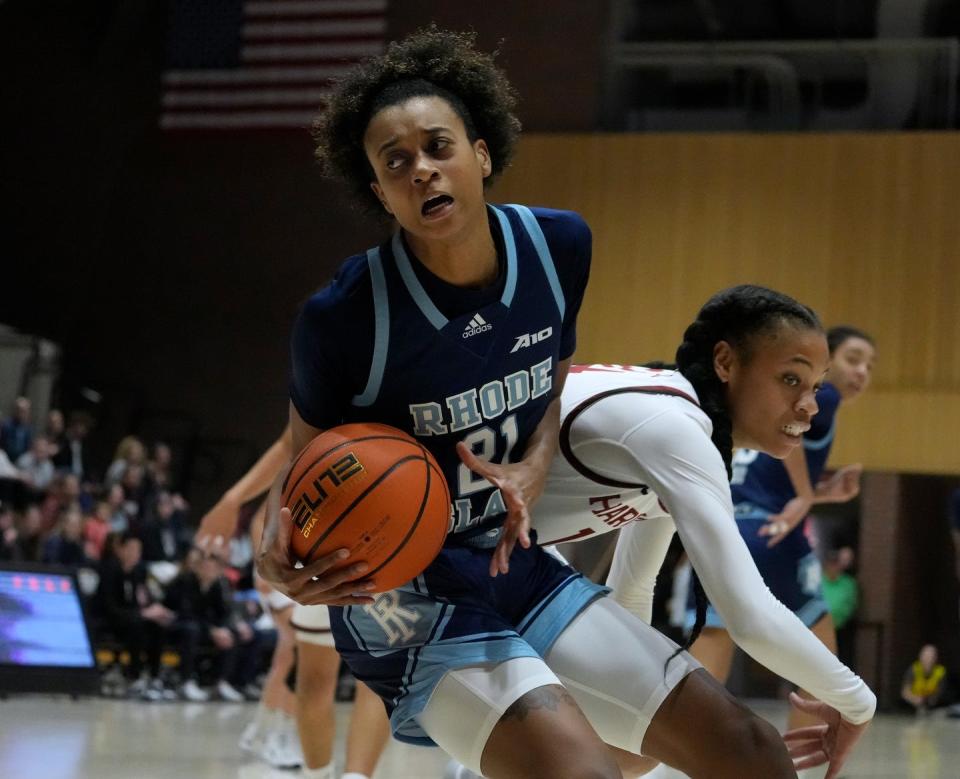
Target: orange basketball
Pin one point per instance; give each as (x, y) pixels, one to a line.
(372, 489)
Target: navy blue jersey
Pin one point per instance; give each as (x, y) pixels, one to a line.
(763, 481)
(388, 341)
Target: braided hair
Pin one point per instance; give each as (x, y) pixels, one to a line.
(738, 315)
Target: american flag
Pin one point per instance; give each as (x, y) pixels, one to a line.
(253, 64)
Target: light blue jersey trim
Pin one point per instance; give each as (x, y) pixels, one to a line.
(381, 313)
(510, 243)
(543, 251)
(821, 443)
(353, 631)
(414, 287)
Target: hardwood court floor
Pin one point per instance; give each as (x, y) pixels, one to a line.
(58, 738)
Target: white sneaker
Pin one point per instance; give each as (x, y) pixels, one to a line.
(455, 770)
(138, 687)
(161, 692)
(252, 738)
(228, 692)
(281, 749)
(192, 692)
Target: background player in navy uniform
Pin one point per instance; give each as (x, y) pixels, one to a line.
(772, 498)
(460, 330)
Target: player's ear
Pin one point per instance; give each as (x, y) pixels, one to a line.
(723, 359)
(483, 156)
(378, 191)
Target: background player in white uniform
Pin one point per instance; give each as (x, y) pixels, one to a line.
(317, 661)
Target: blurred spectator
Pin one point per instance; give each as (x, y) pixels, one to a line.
(163, 532)
(69, 456)
(64, 493)
(130, 451)
(36, 467)
(55, 430)
(16, 432)
(12, 488)
(842, 595)
(136, 490)
(158, 468)
(202, 601)
(96, 527)
(8, 533)
(65, 546)
(7, 469)
(30, 536)
(121, 512)
(125, 608)
(923, 681)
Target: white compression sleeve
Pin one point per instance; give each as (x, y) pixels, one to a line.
(637, 563)
(673, 455)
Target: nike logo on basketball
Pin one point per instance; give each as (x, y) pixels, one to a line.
(476, 325)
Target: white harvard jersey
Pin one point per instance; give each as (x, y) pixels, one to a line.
(594, 484)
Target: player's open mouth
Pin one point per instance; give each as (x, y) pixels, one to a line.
(436, 206)
(795, 430)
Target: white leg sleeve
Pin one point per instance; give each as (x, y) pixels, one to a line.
(468, 703)
(615, 666)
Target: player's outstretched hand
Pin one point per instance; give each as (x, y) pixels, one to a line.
(313, 584)
(217, 527)
(844, 485)
(830, 743)
(520, 484)
(778, 526)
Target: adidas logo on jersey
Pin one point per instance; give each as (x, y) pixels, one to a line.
(476, 326)
(528, 339)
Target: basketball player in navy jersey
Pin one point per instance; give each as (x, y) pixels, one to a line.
(772, 498)
(460, 331)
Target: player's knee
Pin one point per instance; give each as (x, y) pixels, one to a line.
(315, 679)
(632, 765)
(592, 767)
(760, 748)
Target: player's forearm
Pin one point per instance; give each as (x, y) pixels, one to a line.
(542, 445)
(641, 549)
(271, 520)
(796, 465)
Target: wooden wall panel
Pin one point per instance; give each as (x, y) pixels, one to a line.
(864, 228)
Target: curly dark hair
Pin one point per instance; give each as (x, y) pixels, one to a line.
(428, 62)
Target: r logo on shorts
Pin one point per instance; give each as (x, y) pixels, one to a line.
(395, 620)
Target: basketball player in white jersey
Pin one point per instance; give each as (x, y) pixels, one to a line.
(647, 451)
(317, 661)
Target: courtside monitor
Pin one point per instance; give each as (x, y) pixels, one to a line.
(44, 638)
